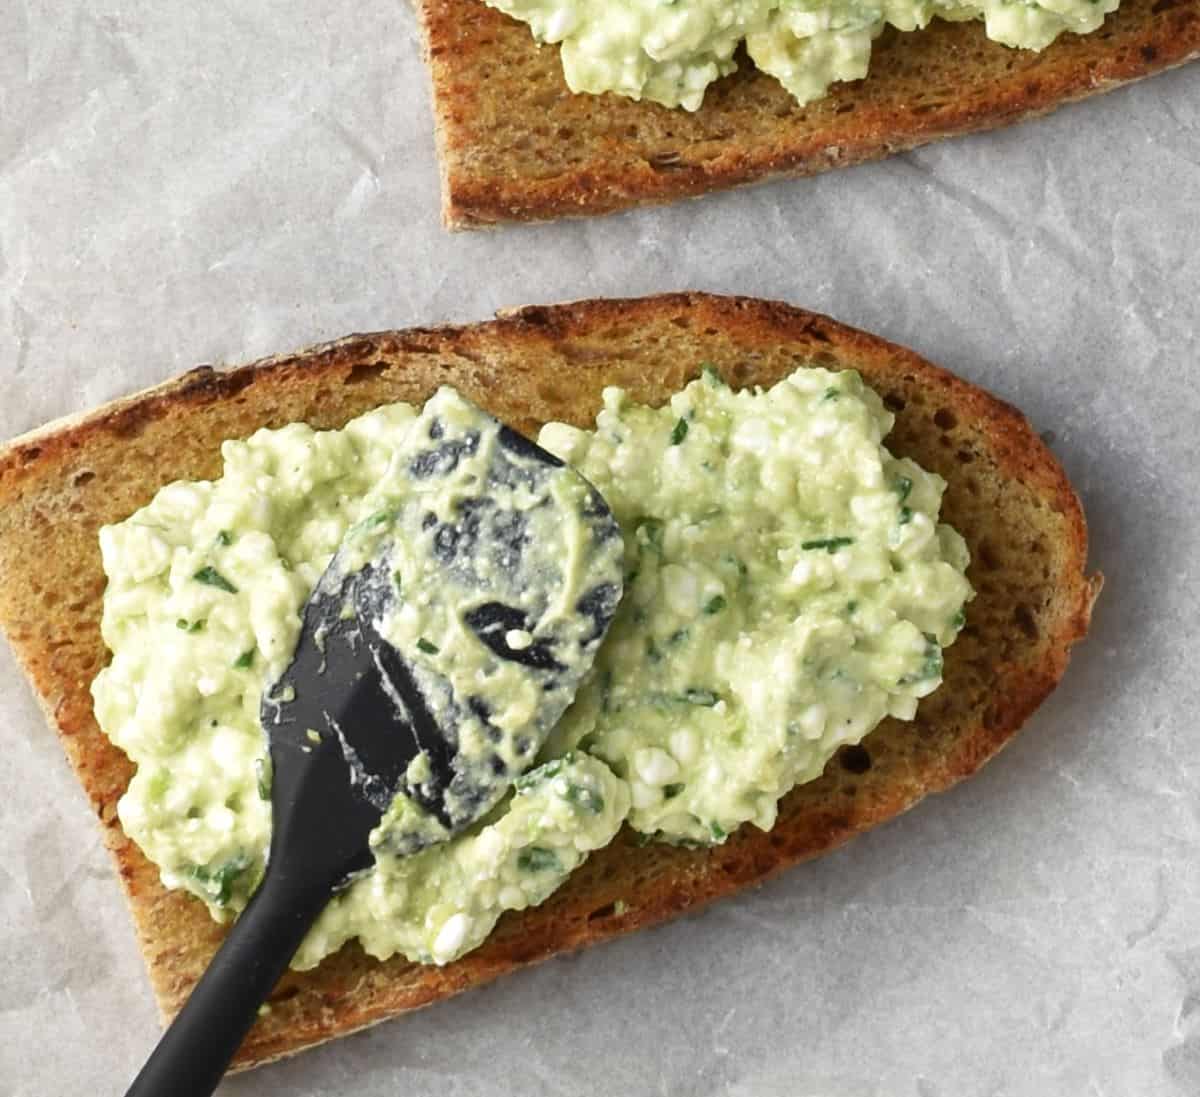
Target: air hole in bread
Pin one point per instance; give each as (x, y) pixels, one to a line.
(1025, 621)
(129, 425)
(945, 419)
(987, 556)
(84, 477)
(364, 371)
(893, 402)
(855, 758)
(606, 911)
(551, 393)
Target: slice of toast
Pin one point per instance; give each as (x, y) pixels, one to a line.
(516, 145)
(1007, 495)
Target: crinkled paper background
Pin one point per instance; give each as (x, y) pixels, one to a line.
(185, 183)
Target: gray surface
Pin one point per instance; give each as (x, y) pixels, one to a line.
(185, 182)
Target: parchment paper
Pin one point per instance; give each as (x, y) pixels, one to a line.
(184, 182)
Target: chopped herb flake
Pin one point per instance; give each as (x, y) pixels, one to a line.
(653, 530)
(537, 859)
(829, 544)
(902, 487)
(217, 883)
(427, 647)
(246, 659)
(587, 799)
(715, 604)
(262, 774)
(543, 773)
(959, 619)
(189, 626)
(671, 791)
(717, 831)
(680, 432)
(932, 665)
(606, 681)
(905, 516)
(210, 577)
(225, 538)
(711, 375)
(690, 696)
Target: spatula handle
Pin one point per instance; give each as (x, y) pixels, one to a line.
(193, 1053)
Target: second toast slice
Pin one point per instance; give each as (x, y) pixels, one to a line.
(516, 145)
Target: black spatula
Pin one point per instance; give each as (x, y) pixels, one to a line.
(454, 623)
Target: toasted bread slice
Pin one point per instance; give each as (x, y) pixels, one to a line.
(1007, 495)
(516, 145)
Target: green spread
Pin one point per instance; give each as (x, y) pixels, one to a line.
(442, 902)
(787, 586)
(669, 51)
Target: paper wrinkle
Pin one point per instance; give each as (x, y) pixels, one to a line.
(183, 183)
(1181, 1058)
(1137, 936)
(111, 35)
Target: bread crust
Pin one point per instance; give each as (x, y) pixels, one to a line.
(515, 145)
(1007, 495)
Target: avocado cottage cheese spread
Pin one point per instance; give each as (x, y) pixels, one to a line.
(669, 51)
(787, 586)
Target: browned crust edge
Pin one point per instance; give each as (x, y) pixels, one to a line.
(474, 199)
(329, 1002)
